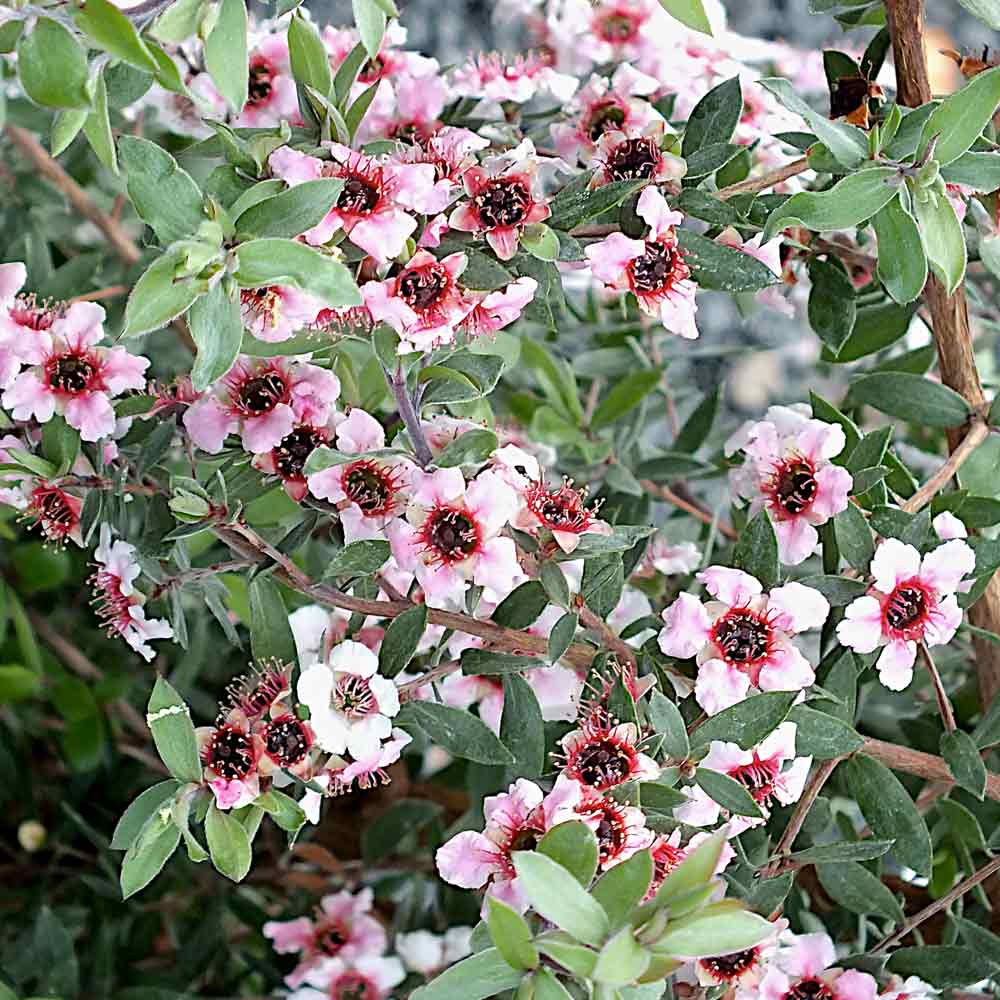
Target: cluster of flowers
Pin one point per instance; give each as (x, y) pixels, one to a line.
(341, 950)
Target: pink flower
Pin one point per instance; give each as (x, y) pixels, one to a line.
(342, 927)
(118, 603)
(73, 376)
(671, 559)
(515, 821)
(668, 854)
(370, 491)
(495, 78)
(54, 512)
(21, 319)
(912, 600)
(498, 309)
(652, 269)
(369, 769)
(261, 398)
(371, 977)
(621, 829)
(742, 970)
(788, 471)
(288, 457)
(277, 312)
(423, 303)
(801, 967)
(452, 536)
(562, 512)
(602, 754)
(229, 753)
(743, 638)
(271, 96)
(635, 156)
(769, 771)
(503, 198)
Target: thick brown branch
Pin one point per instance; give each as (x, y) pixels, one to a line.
(923, 765)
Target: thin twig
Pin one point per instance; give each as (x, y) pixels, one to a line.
(607, 635)
(432, 675)
(111, 292)
(421, 449)
(939, 904)
(668, 495)
(978, 433)
(755, 184)
(944, 705)
(923, 765)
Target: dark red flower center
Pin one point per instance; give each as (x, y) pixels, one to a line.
(353, 697)
(259, 81)
(503, 202)
(287, 740)
(451, 535)
(27, 312)
(603, 764)
(612, 834)
(421, 287)
(330, 938)
(654, 269)
(291, 454)
(359, 195)
(230, 753)
(255, 693)
(633, 160)
(605, 117)
(906, 607)
(742, 636)
(560, 509)
(372, 70)
(353, 986)
(262, 393)
(617, 28)
(795, 486)
(56, 516)
(370, 486)
(69, 373)
(666, 857)
(809, 989)
(729, 967)
(757, 778)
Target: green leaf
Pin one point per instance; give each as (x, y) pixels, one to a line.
(148, 853)
(848, 203)
(456, 731)
(852, 850)
(309, 59)
(748, 722)
(540, 241)
(52, 66)
(66, 126)
(980, 171)
(293, 211)
(577, 203)
(553, 580)
(471, 448)
(511, 934)
(912, 397)
(821, 735)
(557, 896)
(360, 558)
(959, 120)
(277, 262)
(226, 57)
(832, 305)
(838, 590)
(723, 269)
(962, 757)
(690, 13)
(547, 987)
(756, 552)
(169, 719)
(714, 118)
(484, 974)
(625, 395)
(111, 30)
(875, 327)
(371, 21)
(228, 844)
(574, 846)
(164, 196)
(158, 298)
(139, 811)
(668, 723)
(727, 792)
(283, 809)
(849, 145)
(217, 330)
(941, 232)
(522, 729)
(485, 661)
(698, 426)
(561, 636)
(522, 606)
(401, 639)
(622, 960)
(270, 634)
(623, 887)
(561, 948)
(97, 127)
(979, 939)
(18, 683)
(854, 887)
(890, 811)
(390, 832)
(902, 263)
(943, 966)
(695, 871)
(60, 443)
(854, 537)
(717, 929)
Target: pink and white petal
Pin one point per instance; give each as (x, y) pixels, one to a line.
(27, 397)
(807, 955)
(944, 568)
(677, 311)
(91, 414)
(384, 235)
(786, 669)
(686, 627)
(503, 241)
(289, 935)
(294, 167)
(609, 258)
(265, 432)
(725, 757)
(893, 562)
(468, 860)
(718, 686)
(861, 628)
(82, 324)
(944, 622)
(731, 586)
(833, 487)
(12, 279)
(208, 423)
(947, 526)
(360, 433)
(699, 810)
(653, 209)
(797, 539)
(819, 440)
(122, 370)
(800, 607)
(855, 985)
(793, 781)
(558, 691)
(779, 742)
(895, 664)
(496, 568)
(386, 307)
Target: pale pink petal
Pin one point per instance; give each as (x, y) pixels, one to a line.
(895, 665)
(28, 397)
(786, 669)
(893, 562)
(122, 370)
(944, 568)
(655, 212)
(289, 935)
(384, 235)
(265, 432)
(800, 607)
(947, 526)
(609, 258)
(732, 586)
(718, 686)
(12, 279)
(468, 860)
(808, 955)
(497, 568)
(699, 810)
(855, 985)
(360, 433)
(503, 241)
(833, 487)
(91, 414)
(686, 627)
(861, 629)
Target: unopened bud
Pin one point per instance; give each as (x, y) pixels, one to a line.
(31, 835)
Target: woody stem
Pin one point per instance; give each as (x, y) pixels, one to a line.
(409, 416)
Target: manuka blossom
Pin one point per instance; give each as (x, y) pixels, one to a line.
(21, 319)
(653, 268)
(258, 397)
(740, 970)
(118, 603)
(275, 313)
(620, 828)
(743, 638)
(801, 967)
(496, 78)
(668, 853)
(788, 471)
(504, 197)
(72, 376)
(911, 988)
(369, 491)
(561, 512)
(516, 820)
(451, 536)
(287, 459)
(424, 303)
(495, 310)
(230, 754)
(53, 510)
(427, 953)
(369, 770)
(622, 156)
(911, 601)
(671, 559)
(376, 205)
(602, 754)
(350, 705)
(271, 94)
(769, 771)
(342, 926)
(370, 977)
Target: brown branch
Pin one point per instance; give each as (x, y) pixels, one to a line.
(939, 904)
(978, 433)
(111, 292)
(944, 705)
(669, 496)
(923, 765)
(607, 635)
(434, 674)
(754, 184)
(949, 318)
(35, 153)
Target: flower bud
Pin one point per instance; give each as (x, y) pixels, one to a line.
(31, 835)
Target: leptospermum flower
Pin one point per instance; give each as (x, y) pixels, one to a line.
(624, 156)
(801, 967)
(769, 771)
(426, 953)
(911, 988)
(495, 310)
(912, 600)
(668, 853)
(21, 318)
(741, 970)
(275, 313)
(516, 820)
(451, 537)
(496, 78)
(350, 705)
(53, 510)
(377, 201)
(671, 559)
(653, 269)
(602, 754)
(743, 639)
(258, 398)
(230, 754)
(620, 829)
(118, 603)
(287, 459)
(371, 977)
(561, 511)
(423, 303)
(504, 197)
(370, 770)
(73, 376)
(789, 472)
(370, 491)
(271, 94)
(342, 926)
